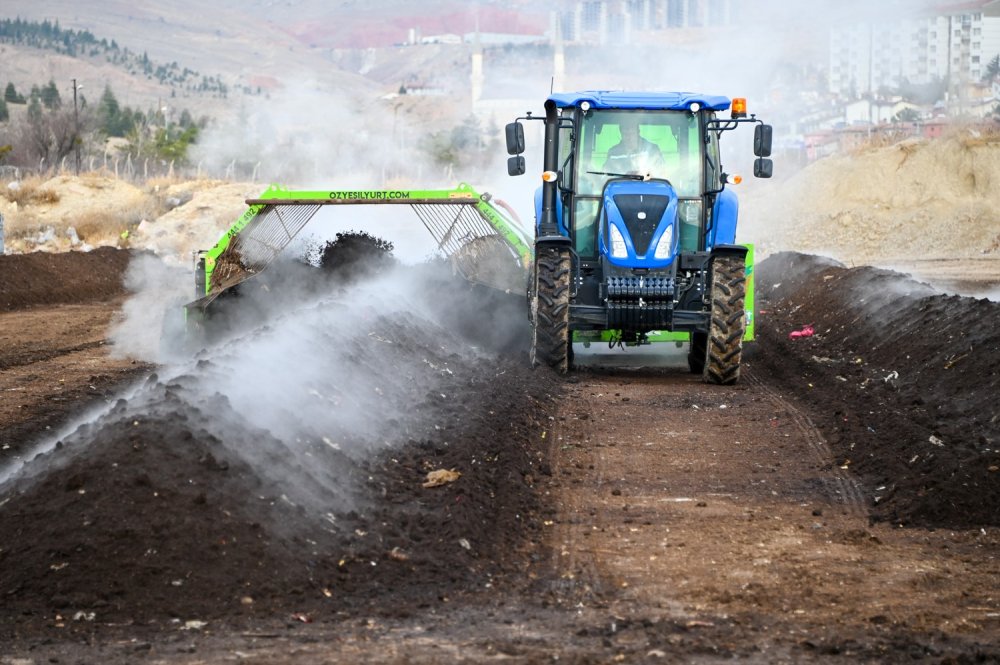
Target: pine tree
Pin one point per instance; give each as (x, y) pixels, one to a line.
(4, 112)
(108, 112)
(111, 119)
(10, 94)
(50, 96)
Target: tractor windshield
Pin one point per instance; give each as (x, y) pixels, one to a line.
(662, 144)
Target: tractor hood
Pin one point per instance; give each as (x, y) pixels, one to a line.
(639, 224)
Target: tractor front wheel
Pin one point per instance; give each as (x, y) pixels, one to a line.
(728, 320)
(551, 339)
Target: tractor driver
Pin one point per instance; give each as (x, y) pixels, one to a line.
(634, 154)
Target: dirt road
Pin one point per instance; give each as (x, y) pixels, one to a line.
(671, 522)
(54, 362)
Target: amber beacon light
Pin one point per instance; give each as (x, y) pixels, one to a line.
(739, 107)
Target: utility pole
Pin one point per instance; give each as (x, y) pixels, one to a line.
(76, 129)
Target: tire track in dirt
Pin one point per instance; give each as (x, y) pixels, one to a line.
(30, 358)
(841, 485)
(580, 575)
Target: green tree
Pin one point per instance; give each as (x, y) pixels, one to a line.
(111, 120)
(50, 96)
(4, 112)
(172, 143)
(10, 94)
(992, 69)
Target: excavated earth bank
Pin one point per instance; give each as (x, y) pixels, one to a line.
(904, 381)
(41, 278)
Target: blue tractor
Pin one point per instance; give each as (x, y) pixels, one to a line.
(635, 227)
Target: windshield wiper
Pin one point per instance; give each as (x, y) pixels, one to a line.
(631, 176)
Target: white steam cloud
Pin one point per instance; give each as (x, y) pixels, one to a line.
(304, 375)
(154, 311)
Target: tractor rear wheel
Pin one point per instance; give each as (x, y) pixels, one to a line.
(551, 339)
(727, 322)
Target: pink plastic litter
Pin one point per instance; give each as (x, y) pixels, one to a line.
(805, 332)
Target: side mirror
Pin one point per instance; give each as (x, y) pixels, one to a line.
(763, 168)
(515, 165)
(762, 140)
(515, 138)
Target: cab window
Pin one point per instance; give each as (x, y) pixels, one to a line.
(612, 143)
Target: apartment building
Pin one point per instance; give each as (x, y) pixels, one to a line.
(952, 42)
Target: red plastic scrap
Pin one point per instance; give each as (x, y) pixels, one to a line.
(807, 331)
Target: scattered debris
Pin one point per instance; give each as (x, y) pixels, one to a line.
(806, 331)
(696, 623)
(441, 477)
(954, 359)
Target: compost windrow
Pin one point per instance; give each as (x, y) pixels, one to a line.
(902, 378)
(173, 506)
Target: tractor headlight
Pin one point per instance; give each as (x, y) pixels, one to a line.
(618, 250)
(665, 245)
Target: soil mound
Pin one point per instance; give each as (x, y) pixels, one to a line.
(356, 255)
(201, 211)
(912, 377)
(42, 278)
(914, 200)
